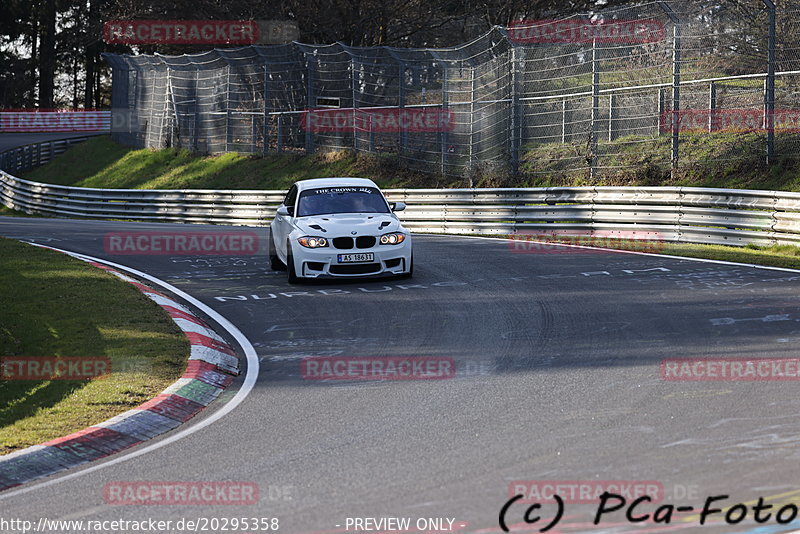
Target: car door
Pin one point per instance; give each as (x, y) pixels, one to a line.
(283, 223)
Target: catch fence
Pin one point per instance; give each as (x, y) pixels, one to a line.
(586, 94)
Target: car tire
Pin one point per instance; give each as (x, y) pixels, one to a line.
(275, 262)
(291, 274)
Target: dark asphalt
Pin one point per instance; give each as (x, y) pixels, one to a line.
(557, 378)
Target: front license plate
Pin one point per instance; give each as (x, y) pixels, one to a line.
(356, 258)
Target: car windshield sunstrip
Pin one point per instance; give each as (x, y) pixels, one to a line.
(330, 200)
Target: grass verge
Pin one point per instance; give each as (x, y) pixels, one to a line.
(786, 256)
(54, 305)
(102, 163)
(8, 212)
(721, 159)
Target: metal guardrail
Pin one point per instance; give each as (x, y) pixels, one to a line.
(680, 214)
(29, 156)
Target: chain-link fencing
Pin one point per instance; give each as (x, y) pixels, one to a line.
(656, 86)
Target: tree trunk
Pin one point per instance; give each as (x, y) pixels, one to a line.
(47, 55)
(91, 55)
(34, 61)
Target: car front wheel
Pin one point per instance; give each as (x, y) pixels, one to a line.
(291, 274)
(275, 262)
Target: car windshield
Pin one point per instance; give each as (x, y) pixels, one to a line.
(350, 199)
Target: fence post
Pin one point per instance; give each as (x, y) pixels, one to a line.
(280, 133)
(371, 136)
(612, 105)
(595, 112)
(228, 109)
(676, 81)
(769, 85)
(517, 56)
(563, 120)
(152, 109)
(196, 112)
(712, 106)
(265, 125)
(401, 96)
(445, 108)
(310, 105)
(471, 119)
(355, 102)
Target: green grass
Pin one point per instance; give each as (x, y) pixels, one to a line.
(722, 159)
(727, 160)
(100, 162)
(54, 305)
(787, 256)
(8, 212)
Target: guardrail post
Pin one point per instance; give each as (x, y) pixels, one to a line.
(769, 84)
(712, 106)
(676, 81)
(563, 120)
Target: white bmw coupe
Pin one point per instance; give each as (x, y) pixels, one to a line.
(339, 227)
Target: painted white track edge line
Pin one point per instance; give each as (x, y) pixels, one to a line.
(655, 255)
(238, 398)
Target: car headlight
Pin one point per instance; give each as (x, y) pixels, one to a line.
(394, 238)
(313, 242)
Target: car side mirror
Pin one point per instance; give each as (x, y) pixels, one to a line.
(397, 206)
(283, 211)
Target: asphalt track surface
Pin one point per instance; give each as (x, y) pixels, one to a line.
(557, 379)
(11, 140)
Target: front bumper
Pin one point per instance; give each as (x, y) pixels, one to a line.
(323, 262)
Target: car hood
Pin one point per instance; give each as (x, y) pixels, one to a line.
(344, 224)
